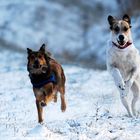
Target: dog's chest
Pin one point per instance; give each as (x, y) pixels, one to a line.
(124, 61)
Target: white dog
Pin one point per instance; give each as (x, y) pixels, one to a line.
(123, 61)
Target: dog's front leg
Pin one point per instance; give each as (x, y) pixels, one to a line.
(119, 82)
(40, 111)
(121, 87)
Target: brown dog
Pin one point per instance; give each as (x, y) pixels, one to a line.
(47, 78)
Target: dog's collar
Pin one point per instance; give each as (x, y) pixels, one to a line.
(41, 80)
(125, 46)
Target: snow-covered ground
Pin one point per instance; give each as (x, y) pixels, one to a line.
(94, 111)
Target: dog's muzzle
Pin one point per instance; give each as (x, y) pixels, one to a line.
(36, 64)
(122, 47)
(121, 40)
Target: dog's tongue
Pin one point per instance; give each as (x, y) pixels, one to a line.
(121, 43)
(44, 69)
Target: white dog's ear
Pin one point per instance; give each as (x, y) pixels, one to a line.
(127, 18)
(111, 21)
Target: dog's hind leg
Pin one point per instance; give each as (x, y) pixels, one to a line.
(63, 102)
(135, 90)
(124, 101)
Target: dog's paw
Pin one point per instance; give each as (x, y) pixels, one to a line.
(63, 107)
(43, 104)
(55, 98)
(40, 121)
(129, 115)
(126, 90)
(121, 86)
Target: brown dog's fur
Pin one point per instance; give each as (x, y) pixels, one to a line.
(47, 92)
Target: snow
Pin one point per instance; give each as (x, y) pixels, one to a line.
(94, 110)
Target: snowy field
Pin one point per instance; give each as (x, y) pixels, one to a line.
(94, 111)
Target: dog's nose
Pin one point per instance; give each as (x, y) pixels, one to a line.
(36, 62)
(121, 37)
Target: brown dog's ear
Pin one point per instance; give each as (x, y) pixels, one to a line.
(42, 48)
(29, 50)
(111, 20)
(127, 18)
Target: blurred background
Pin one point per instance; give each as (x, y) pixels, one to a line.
(75, 31)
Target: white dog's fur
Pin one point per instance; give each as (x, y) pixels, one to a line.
(124, 65)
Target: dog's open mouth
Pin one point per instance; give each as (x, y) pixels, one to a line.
(37, 66)
(121, 43)
(41, 69)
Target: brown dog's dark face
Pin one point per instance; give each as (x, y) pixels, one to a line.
(36, 59)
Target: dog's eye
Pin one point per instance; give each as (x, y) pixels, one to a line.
(125, 29)
(116, 29)
(40, 56)
(32, 57)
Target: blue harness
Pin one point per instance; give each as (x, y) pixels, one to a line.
(41, 83)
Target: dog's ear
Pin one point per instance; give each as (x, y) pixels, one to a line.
(29, 51)
(111, 20)
(127, 18)
(42, 48)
